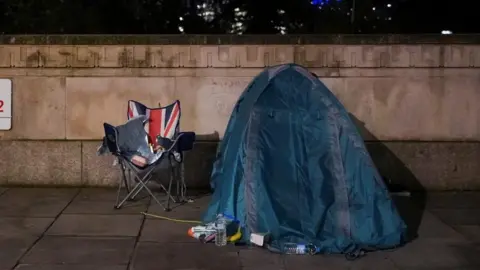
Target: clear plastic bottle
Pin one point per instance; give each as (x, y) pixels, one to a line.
(293, 248)
(221, 231)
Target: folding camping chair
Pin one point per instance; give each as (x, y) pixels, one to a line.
(162, 127)
(129, 144)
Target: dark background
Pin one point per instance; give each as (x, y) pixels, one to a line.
(237, 16)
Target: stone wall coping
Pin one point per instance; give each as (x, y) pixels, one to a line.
(236, 39)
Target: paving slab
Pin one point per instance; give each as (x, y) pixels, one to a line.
(106, 207)
(263, 267)
(432, 228)
(456, 217)
(81, 250)
(470, 232)
(447, 230)
(97, 225)
(199, 201)
(70, 267)
(101, 201)
(376, 260)
(17, 227)
(257, 258)
(107, 194)
(198, 204)
(163, 231)
(453, 200)
(98, 194)
(411, 212)
(185, 211)
(12, 249)
(159, 256)
(427, 253)
(35, 202)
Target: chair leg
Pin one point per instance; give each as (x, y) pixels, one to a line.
(120, 183)
(139, 188)
(169, 196)
(183, 185)
(182, 182)
(136, 189)
(119, 205)
(126, 178)
(123, 181)
(177, 184)
(140, 182)
(129, 179)
(168, 191)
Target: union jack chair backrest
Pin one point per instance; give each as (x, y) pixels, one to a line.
(164, 121)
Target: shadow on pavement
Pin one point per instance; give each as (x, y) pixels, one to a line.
(399, 179)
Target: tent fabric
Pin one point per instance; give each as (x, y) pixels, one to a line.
(292, 164)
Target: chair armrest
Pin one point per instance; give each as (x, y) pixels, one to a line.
(102, 149)
(183, 142)
(165, 143)
(186, 141)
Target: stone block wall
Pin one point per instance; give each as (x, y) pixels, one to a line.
(416, 101)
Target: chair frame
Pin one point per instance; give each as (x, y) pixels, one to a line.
(141, 176)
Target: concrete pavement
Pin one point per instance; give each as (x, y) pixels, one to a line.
(60, 229)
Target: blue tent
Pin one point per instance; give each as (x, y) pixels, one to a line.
(293, 164)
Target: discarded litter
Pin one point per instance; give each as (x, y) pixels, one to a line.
(223, 230)
(259, 239)
(293, 248)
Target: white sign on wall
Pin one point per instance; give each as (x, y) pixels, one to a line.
(5, 104)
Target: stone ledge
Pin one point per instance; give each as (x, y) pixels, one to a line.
(417, 165)
(235, 39)
(377, 55)
(392, 72)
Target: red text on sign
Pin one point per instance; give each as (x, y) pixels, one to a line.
(1, 105)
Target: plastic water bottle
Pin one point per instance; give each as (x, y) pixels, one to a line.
(293, 248)
(221, 231)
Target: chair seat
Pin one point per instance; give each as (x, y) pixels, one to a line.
(151, 158)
